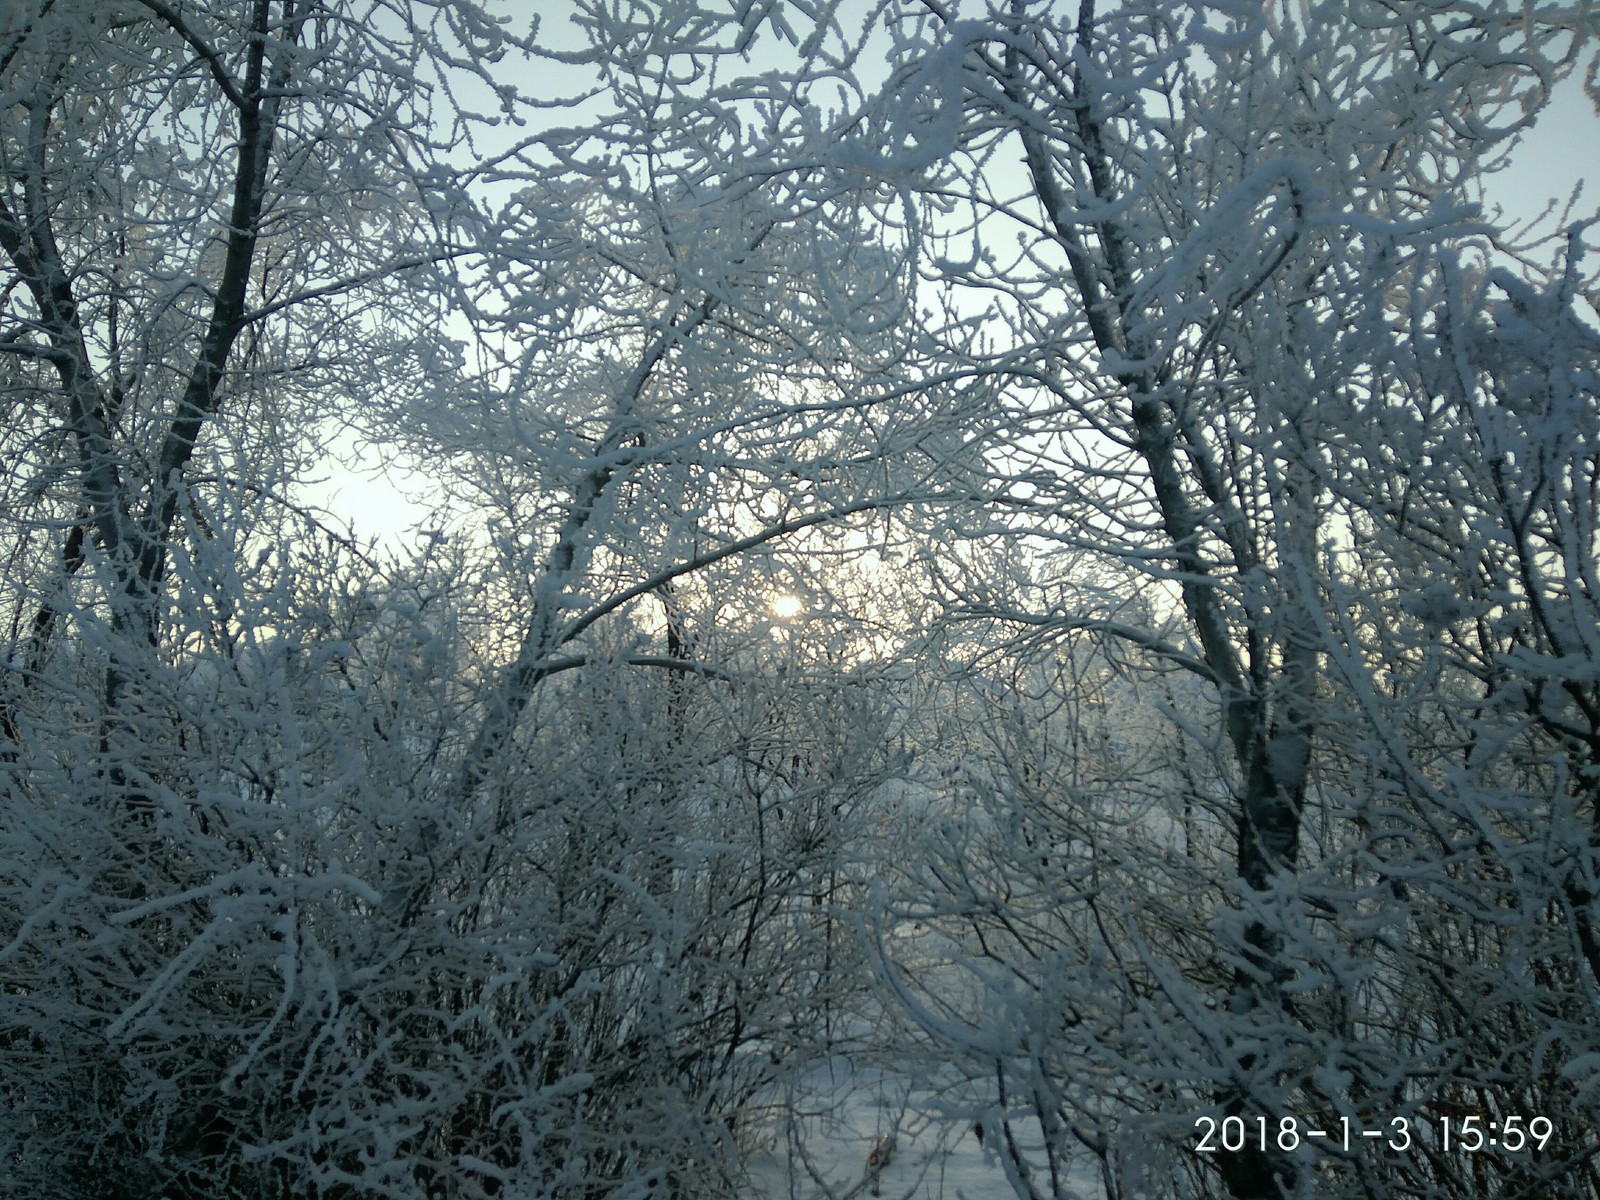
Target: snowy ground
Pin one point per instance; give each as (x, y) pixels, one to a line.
(844, 1113)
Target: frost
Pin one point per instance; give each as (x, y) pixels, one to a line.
(922, 120)
(997, 581)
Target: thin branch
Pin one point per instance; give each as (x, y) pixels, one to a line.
(683, 665)
(199, 45)
(1143, 638)
(350, 283)
(770, 534)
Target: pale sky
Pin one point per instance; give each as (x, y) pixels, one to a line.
(1557, 154)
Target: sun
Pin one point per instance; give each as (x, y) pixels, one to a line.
(784, 606)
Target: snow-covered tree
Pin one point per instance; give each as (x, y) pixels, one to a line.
(514, 869)
(1207, 249)
(1071, 519)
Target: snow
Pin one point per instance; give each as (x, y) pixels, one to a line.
(821, 1140)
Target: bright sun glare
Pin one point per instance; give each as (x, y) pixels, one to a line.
(785, 606)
